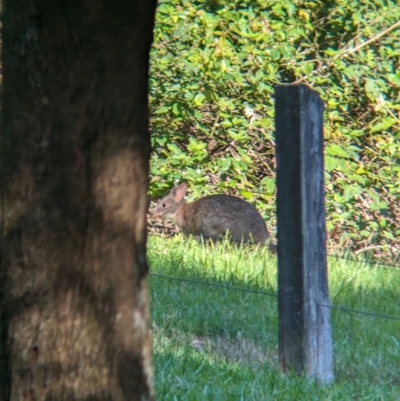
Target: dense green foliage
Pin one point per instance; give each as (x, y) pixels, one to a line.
(214, 66)
(213, 343)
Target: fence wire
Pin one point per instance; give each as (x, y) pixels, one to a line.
(371, 314)
(226, 287)
(368, 262)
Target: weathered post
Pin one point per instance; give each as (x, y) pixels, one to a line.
(305, 342)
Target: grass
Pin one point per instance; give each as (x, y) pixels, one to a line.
(214, 343)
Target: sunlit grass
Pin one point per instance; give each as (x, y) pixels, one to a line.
(217, 343)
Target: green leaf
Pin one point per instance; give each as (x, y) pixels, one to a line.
(308, 68)
(275, 54)
(262, 123)
(163, 110)
(246, 195)
(383, 125)
(336, 150)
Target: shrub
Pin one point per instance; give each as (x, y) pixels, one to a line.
(214, 66)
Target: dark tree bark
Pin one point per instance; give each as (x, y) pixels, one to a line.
(74, 153)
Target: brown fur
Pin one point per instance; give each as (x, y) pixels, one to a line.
(214, 216)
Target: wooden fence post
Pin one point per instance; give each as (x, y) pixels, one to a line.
(305, 341)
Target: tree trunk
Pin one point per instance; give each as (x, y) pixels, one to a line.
(74, 153)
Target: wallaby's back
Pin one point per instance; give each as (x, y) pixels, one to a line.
(213, 216)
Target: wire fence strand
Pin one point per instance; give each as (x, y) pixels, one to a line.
(226, 287)
(207, 283)
(371, 314)
(372, 263)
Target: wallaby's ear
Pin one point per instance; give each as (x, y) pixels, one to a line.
(179, 192)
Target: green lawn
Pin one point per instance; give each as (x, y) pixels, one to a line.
(213, 343)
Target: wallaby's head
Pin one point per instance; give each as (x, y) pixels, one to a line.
(170, 204)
